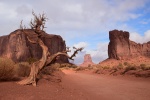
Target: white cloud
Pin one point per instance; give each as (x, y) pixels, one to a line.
(79, 57)
(140, 39)
(81, 44)
(99, 54)
(74, 15)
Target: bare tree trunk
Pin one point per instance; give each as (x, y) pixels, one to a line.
(46, 58)
(36, 66)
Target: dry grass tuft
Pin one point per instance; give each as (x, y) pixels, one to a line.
(6, 69)
(22, 69)
(48, 70)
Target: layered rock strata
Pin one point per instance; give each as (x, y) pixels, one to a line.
(121, 47)
(17, 47)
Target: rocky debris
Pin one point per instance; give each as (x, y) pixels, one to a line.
(121, 47)
(87, 61)
(16, 46)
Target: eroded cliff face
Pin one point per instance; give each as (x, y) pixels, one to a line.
(121, 47)
(87, 61)
(16, 46)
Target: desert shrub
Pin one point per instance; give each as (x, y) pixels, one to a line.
(144, 67)
(6, 69)
(81, 68)
(128, 68)
(22, 69)
(31, 60)
(126, 63)
(106, 67)
(74, 66)
(120, 66)
(64, 65)
(98, 66)
(68, 65)
(48, 70)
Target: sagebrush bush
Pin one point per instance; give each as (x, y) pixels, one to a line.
(128, 68)
(48, 70)
(31, 60)
(106, 67)
(120, 66)
(144, 67)
(80, 68)
(126, 63)
(6, 69)
(22, 69)
(68, 65)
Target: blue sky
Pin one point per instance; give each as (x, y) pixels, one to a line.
(82, 23)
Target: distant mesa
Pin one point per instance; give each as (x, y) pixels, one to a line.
(87, 61)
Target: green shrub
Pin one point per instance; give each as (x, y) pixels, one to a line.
(6, 69)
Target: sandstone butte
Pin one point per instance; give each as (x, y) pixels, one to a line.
(121, 48)
(16, 46)
(87, 61)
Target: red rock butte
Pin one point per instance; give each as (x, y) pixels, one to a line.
(121, 48)
(87, 61)
(16, 46)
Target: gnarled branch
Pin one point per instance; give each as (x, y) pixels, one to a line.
(39, 22)
(46, 57)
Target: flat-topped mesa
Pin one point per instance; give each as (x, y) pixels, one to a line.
(120, 46)
(17, 47)
(87, 61)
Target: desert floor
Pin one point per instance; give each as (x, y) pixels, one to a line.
(82, 85)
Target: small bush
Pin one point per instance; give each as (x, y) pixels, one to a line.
(23, 69)
(81, 68)
(129, 68)
(106, 67)
(144, 67)
(6, 69)
(48, 70)
(68, 65)
(31, 60)
(126, 63)
(120, 66)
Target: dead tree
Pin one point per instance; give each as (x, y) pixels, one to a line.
(38, 25)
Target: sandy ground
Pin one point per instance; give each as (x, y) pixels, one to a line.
(80, 86)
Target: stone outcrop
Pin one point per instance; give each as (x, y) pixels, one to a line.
(16, 46)
(87, 61)
(121, 47)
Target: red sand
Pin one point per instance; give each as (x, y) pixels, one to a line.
(80, 86)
